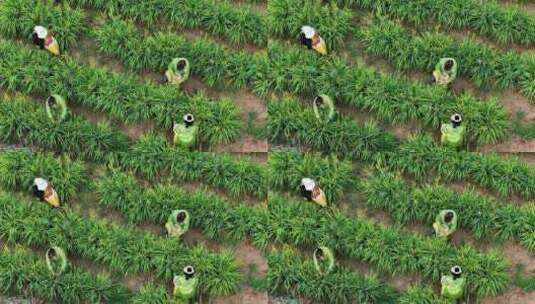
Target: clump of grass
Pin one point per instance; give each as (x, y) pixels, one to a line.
(286, 169)
(23, 273)
(19, 168)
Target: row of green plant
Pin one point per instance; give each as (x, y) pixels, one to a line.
(23, 273)
(235, 24)
(286, 17)
(18, 17)
(391, 98)
(25, 122)
(420, 156)
(121, 248)
(122, 97)
(219, 219)
(289, 272)
(489, 19)
(151, 156)
(334, 176)
(300, 224)
(209, 61)
(484, 217)
(294, 123)
(18, 168)
(482, 64)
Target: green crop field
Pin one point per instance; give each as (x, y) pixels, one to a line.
(133, 111)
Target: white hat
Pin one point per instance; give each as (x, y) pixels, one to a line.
(40, 183)
(308, 183)
(189, 270)
(456, 118)
(40, 31)
(308, 31)
(188, 118)
(456, 270)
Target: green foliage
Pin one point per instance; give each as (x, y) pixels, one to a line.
(290, 272)
(387, 249)
(286, 17)
(291, 122)
(19, 168)
(18, 17)
(484, 65)
(123, 249)
(24, 274)
(286, 169)
(390, 98)
(416, 294)
(420, 156)
(485, 217)
(122, 97)
(151, 294)
(503, 24)
(236, 24)
(23, 122)
(151, 156)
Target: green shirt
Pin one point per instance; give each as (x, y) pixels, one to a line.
(185, 290)
(185, 136)
(326, 264)
(444, 228)
(452, 136)
(452, 289)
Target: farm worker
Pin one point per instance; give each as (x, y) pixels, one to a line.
(323, 108)
(177, 71)
(45, 40)
(185, 286)
(185, 132)
(453, 132)
(56, 260)
(177, 223)
(445, 223)
(45, 192)
(56, 108)
(312, 192)
(445, 71)
(312, 40)
(323, 260)
(453, 284)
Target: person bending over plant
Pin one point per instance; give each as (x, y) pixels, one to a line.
(56, 108)
(56, 260)
(43, 190)
(323, 260)
(323, 108)
(445, 71)
(445, 223)
(177, 71)
(453, 132)
(185, 286)
(177, 223)
(42, 38)
(312, 40)
(312, 192)
(453, 284)
(185, 132)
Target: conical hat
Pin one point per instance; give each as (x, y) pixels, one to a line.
(40, 183)
(40, 31)
(308, 183)
(308, 31)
